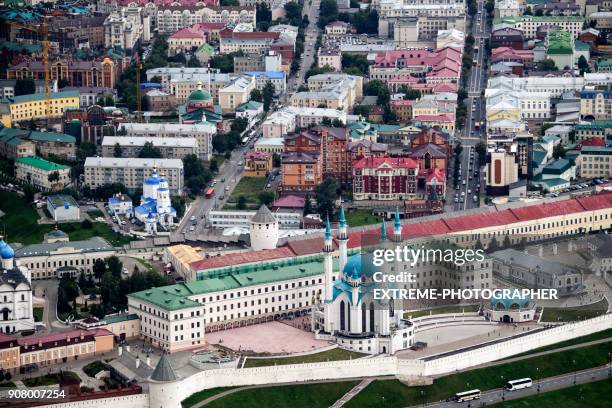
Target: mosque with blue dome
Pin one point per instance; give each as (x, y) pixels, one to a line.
(155, 207)
(348, 313)
(16, 312)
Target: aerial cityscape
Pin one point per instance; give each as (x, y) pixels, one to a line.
(305, 203)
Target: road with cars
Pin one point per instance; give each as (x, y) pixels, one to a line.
(311, 9)
(471, 181)
(539, 386)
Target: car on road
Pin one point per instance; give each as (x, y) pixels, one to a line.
(192, 218)
(124, 271)
(192, 228)
(226, 188)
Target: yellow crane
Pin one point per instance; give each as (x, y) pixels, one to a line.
(43, 30)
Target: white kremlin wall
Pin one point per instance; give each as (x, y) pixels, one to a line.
(170, 395)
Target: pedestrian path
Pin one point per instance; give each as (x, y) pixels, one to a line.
(352, 392)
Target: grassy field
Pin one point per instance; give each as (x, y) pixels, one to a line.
(19, 221)
(20, 224)
(249, 187)
(356, 218)
(291, 396)
(38, 313)
(578, 340)
(329, 355)
(570, 314)
(202, 395)
(442, 310)
(48, 379)
(398, 395)
(593, 395)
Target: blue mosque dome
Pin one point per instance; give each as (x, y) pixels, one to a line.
(152, 181)
(359, 265)
(6, 252)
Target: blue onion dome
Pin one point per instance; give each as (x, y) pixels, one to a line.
(359, 265)
(6, 252)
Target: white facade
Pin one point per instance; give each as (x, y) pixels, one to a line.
(202, 132)
(263, 229)
(242, 219)
(173, 18)
(170, 148)
(131, 172)
(126, 27)
(63, 208)
(43, 260)
(556, 86)
(16, 312)
(278, 124)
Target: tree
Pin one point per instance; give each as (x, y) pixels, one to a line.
(241, 204)
(409, 93)
(481, 151)
(583, 65)
(265, 197)
(307, 205)
(506, 243)
(118, 151)
(328, 12)
(240, 124)
(268, 94)
(528, 11)
(214, 165)
(149, 151)
(493, 245)
(62, 83)
(458, 149)
(490, 6)
(85, 150)
(374, 87)
(256, 95)
(99, 268)
(109, 284)
(326, 195)
(114, 265)
(25, 87)
(86, 224)
(558, 151)
(53, 177)
(547, 65)
(539, 13)
(572, 136)
(263, 15)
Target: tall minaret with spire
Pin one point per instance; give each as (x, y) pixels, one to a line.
(328, 278)
(397, 227)
(342, 239)
(383, 232)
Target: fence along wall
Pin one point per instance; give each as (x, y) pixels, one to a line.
(128, 401)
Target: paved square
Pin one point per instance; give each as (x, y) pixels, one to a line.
(270, 337)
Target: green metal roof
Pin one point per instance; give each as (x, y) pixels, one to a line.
(543, 19)
(52, 137)
(175, 297)
(40, 163)
(557, 167)
(249, 105)
(120, 318)
(41, 96)
(559, 42)
(597, 150)
(581, 46)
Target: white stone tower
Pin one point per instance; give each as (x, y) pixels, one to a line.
(263, 229)
(164, 386)
(151, 184)
(342, 239)
(397, 227)
(328, 278)
(151, 224)
(164, 206)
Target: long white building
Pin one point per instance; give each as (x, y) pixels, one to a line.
(131, 172)
(170, 148)
(202, 132)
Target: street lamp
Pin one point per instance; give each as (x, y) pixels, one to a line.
(423, 397)
(538, 378)
(503, 389)
(610, 366)
(574, 362)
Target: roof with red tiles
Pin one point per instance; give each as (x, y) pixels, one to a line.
(432, 118)
(189, 32)
(242, 258)
(549, 209)
(596, 202)
(392, 162)
(290, 201)
(249, 35)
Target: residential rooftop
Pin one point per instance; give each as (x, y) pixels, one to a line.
(40, 163)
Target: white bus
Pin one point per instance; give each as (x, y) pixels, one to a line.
(467, 396)
(518, 384)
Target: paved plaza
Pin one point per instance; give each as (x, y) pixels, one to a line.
(270, 337)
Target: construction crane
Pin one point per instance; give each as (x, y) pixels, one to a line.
(41, 29)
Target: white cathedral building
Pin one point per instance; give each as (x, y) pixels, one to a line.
(16, 312)
(348, 313)
(155, 206)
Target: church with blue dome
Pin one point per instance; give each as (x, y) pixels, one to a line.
(16, 313)
(348, 312)
(155, 207)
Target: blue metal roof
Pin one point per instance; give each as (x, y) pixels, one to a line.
(268, 74)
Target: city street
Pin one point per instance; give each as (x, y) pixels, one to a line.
(472, 133)
(539, 386)
(311, 9)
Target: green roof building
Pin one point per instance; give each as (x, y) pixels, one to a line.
(37, 171)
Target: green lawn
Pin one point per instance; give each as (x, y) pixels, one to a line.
(38, 313)
(328, 355)
(593, 395)
(94, 368)
(202, 395)
(442, 310)
(399, 395)
(95, 213)
(20, 224)
(48, 379)
(19, 221)
(291, 396)
(578, 340)
(359, 217)
(9, 384)
(249, 187)
(570, 314)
